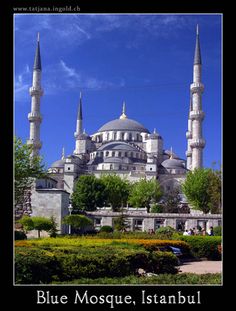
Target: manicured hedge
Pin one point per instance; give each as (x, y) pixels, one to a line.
(37, 266)
(204, 246)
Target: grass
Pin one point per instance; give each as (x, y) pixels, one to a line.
(183, 278)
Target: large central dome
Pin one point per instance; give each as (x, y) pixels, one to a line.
(123, 125)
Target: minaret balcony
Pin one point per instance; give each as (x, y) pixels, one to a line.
(35, 117)
(196, 115)
(197, 87)
(37, 144)
(188, 134)
(35, 91)
(188, 153)
(198, 143)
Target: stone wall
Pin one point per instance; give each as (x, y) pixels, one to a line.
(47, 203)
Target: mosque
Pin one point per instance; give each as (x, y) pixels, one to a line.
(123, 147)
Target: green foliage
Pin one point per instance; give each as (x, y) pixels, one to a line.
(41, 224)
(26, 169)
(53, 230)
(204, 246)
(165, 232)
(120, 223)
(217, 231)
(77, 221)
(171, 200)
(106, 229)
(156, 208)
(145, 192)
(88, 194)
(183, 278)
(48, 264)
(20, 235)
(202, 188)
(116, 190)
(27, 223)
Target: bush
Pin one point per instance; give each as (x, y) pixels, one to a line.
(34, 265)
(204, 246)
(106, 229)
(165, 232)
(156, 208)
(20, 235)
(217, 231)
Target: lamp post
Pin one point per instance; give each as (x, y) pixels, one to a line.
(70, 208)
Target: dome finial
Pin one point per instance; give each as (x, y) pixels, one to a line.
(171, 152)
(123, 115)
(154, 131)
(63, 153)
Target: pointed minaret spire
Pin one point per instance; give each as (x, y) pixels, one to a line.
(197, 54)
(123, 115)
(63, 153)
(154, 131)
(80, 117)
(37, 59)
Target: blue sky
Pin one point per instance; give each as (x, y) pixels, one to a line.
(144, 59)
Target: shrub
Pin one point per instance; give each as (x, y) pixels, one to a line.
(20, 235)
(106, 229)
(38, 266)
(204, 246)
(217, 231)
(165, 232)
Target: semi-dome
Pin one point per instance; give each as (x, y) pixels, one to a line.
(173, 163)
(117, 146)
(123, 125)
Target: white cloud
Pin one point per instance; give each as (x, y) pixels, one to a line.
(22, 85)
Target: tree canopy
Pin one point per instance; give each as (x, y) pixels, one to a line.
(26, 169)
(88, 194)
(145, 192)
(202, 188)
(116, 191)
(77, 221)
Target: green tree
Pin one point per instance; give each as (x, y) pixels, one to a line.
(120, 223)
(116, 191)
(77, 221)
(26, 169)
(53, 231)
(88, 194)
(27, 223)
(202, 188)
(144, 193)
(171, 200)
(41, 224)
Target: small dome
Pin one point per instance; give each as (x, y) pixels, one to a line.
(123, 125)
(59, 163)
(173, 163)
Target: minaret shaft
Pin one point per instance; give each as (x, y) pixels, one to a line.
(34, 116)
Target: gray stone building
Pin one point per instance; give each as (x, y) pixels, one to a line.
(123, 147)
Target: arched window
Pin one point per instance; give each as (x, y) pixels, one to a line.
(122, 136)
(115, 135)
(107, 153)
(113, 153)
(130, 136)
(125, 154)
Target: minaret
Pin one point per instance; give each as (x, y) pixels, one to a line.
(189, 136)
(34, 116)
(197, 143)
